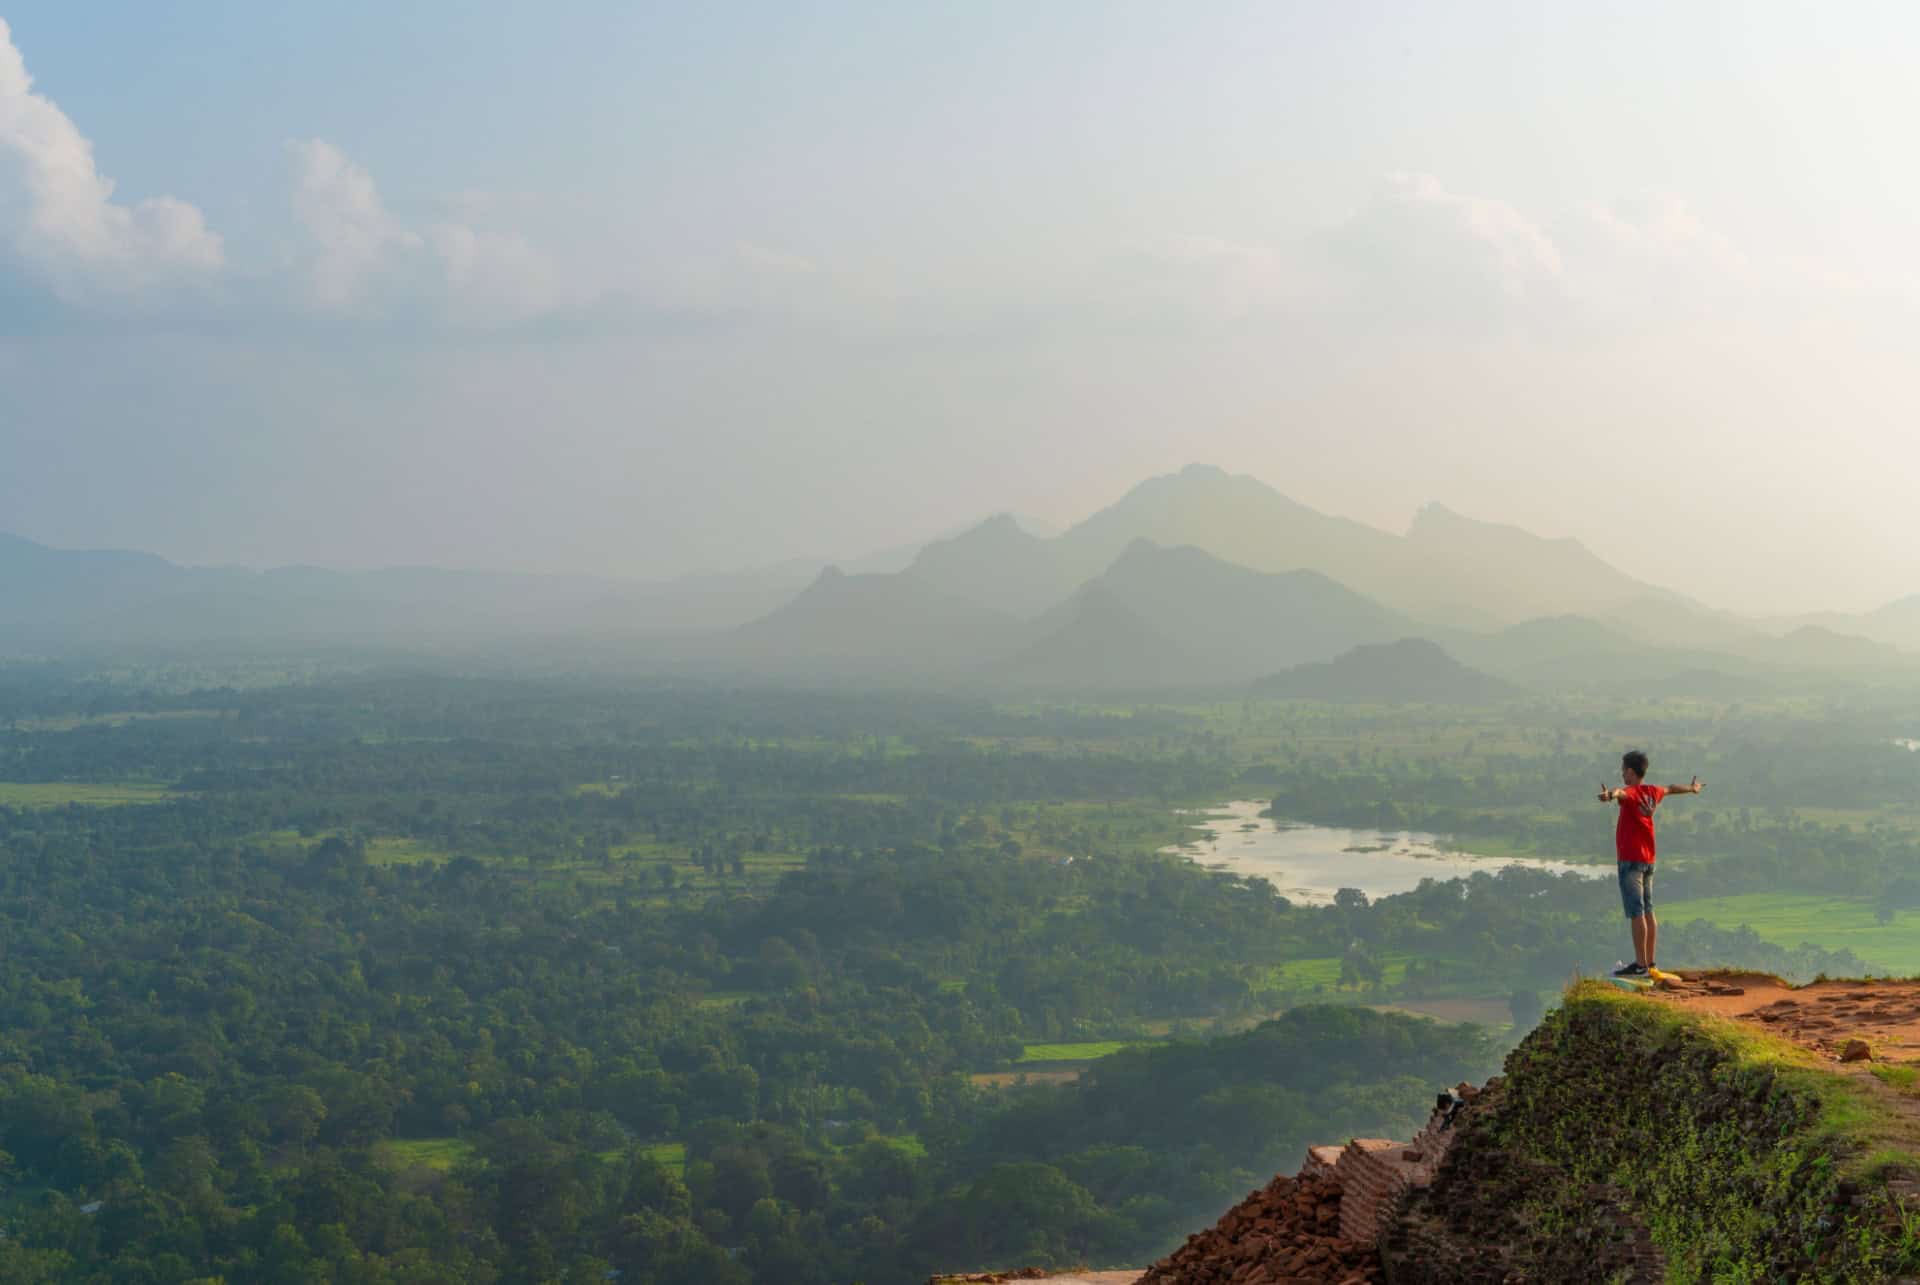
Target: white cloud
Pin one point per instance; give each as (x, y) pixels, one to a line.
(495, 275)
(337, 205)
(1421, 253)
(1655, 255)
(361, 259)
(1664, 229)
(1193, 279)
(63, 221)
(1434, 251)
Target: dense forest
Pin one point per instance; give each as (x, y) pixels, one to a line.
(396, 977)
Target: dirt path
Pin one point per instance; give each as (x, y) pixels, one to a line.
(1826, 1017)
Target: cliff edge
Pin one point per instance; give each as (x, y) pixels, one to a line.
(1731, 1128)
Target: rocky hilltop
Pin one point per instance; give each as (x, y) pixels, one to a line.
(1724, 1127)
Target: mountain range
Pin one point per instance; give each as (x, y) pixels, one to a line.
(1446, 569)
(1197, 579)
(1410, 671)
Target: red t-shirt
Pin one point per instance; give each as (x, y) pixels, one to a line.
(1633, 837)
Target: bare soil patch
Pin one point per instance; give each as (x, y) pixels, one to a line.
(1007, 1079)
(1484, 1012)
(1822, 1016)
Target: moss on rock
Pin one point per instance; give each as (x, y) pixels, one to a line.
(1742, 1156)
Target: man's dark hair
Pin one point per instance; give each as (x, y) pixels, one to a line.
(1636, 762)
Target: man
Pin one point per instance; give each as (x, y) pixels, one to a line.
(1633, 845)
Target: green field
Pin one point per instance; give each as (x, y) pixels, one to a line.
(439, 1154)
(672, 1155)
(1325, 971)
(54, 794)
(1082, 1052)
(1836, 923)
(73, 722)
(401, 852)
(443, 1154)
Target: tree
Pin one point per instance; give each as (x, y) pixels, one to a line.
(1027, 1211)
(294, 1114)
(1358, 967)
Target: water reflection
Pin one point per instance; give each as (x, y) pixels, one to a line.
(1309, 863)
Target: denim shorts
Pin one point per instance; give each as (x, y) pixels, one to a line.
(1636, 888)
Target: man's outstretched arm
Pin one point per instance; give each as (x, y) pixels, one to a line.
(1609, 793)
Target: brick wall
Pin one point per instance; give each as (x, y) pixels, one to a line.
(1375, 1174)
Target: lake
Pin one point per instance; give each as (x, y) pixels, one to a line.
(1309, 863)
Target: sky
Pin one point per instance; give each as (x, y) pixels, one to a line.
(642, 289)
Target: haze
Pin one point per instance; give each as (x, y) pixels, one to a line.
(639, 291)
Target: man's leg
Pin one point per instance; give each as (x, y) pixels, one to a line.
(1653, 925)
(1630, 902)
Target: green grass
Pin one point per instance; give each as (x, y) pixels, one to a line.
(401, 852)
(1081, 1052)
(1300, 974)
(438, 1154)
(1858, 1126)
(1906, 1079)
(1789, 919)
(1749, 1157)
(671, 1155)
(92, 794)
(725, 999)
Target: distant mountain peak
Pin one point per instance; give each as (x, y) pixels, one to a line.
(1001, 529)
(1198, 484)
(1909, 605)
(1435, 520)
(1408, 671)
(996, 563)
(1002, 526)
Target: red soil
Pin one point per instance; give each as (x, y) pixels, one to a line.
(1823, 1016)
(1287, 1232)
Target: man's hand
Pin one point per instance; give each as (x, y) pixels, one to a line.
(1606, 795)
